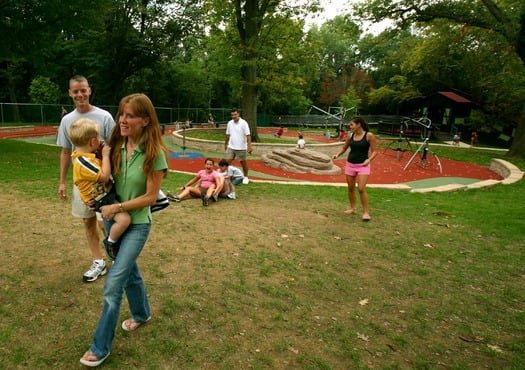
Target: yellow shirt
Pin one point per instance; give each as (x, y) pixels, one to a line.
(86, 172)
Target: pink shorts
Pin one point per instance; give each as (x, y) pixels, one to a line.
(354, 169)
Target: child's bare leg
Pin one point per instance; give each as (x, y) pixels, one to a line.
(122, 221)
(210, 191)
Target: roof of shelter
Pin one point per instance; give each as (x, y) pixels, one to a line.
(455, 97)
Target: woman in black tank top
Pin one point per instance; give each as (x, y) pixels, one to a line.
(362, 144)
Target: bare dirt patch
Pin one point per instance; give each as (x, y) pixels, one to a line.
(240, 284)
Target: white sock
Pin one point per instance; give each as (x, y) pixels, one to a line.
(111, 240)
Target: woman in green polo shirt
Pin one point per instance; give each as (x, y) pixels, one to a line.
(138, 161)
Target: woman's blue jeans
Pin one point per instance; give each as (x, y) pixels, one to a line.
(124, 276)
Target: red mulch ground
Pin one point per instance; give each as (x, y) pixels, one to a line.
(29, 131)
(386, 169)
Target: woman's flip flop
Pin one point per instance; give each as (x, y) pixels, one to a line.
(132, 325)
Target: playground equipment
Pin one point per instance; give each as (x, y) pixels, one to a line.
(339, 116)
(425, 135)
(402, 138)
(184, 154)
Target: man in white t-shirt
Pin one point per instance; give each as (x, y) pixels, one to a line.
(238, 142)
(80, 92)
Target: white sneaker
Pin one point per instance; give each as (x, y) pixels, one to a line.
(231, 195)
(95, 271)
(245, 180)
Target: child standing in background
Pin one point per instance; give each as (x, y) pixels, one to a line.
(473, 138)
(300, 142)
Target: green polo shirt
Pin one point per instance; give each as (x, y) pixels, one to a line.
(131, 182)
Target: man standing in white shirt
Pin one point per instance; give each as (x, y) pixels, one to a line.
(80, 92)
(238, 142)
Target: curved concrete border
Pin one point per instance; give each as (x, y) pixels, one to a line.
(258, 148)
(507, 170)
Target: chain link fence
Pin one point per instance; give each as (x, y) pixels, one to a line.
(17, 114)
(25, 114)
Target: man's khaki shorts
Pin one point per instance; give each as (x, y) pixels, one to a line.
(239, 155)
(79, 208)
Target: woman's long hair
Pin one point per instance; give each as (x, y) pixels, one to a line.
(151, 141)
(361, 121)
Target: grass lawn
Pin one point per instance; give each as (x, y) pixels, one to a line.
(278, 279)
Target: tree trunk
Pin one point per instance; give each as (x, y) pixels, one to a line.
(249, 26)
(517, 149)
(249, 99)
(11, 77)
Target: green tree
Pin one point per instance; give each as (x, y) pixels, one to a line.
(44, 91)
(51, 38)
(497, 83)
(131, 41)
(287, 62)
(339, 55)
(340, 37)
(350, 100)
(176, 32)
(250, 19)
(110, 42)
(504, 18)
(389, 98)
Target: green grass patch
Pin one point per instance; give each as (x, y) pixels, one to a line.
(279, 278)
